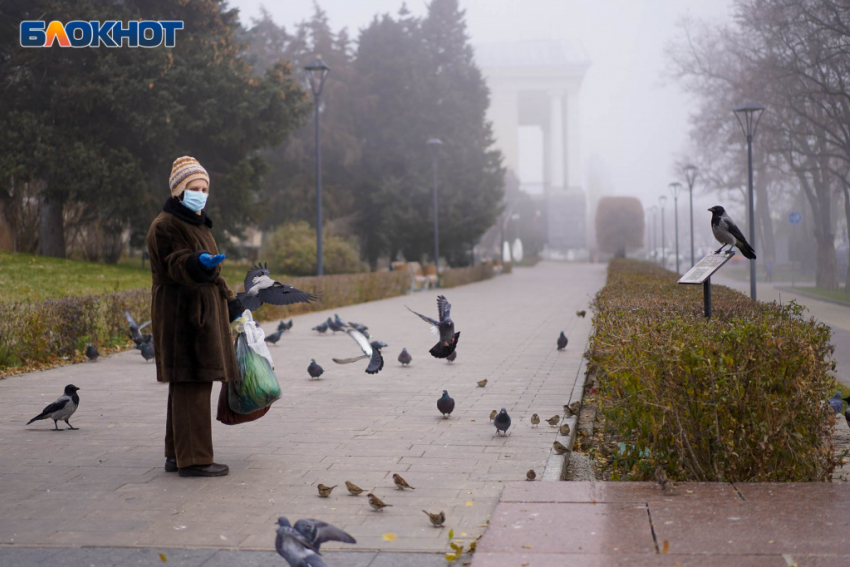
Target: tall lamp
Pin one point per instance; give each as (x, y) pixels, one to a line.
(435, 145)
(748, 116)
(675, 187)
(691, 176)
(317, 72)
(662, 200)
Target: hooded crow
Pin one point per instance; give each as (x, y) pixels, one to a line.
(727, 232)
(62, 409)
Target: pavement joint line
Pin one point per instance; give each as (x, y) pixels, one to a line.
(652, 529)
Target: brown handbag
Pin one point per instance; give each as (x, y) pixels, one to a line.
(229, 417)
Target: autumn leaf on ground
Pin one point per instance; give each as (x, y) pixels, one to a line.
(666, 547)
(164, 559)
(389, 537)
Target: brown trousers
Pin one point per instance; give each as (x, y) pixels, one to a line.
(188, 424)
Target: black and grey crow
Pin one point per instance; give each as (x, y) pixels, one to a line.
(445, 327)
(376, 362)
(260, 288)
(727, 232)
(62, 409)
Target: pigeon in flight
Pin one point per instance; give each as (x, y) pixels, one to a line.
(445, 327)
(136, 330)
(295, 548)
(376, 361)
(274, 337)
(360, 327)
(318, 532)
(502, 421)
(837, 402)
(62, 409)
(321, 328)
(727, 232)
(284, 326)
(378, 344)
(260, 288)
(405, 357)
(91, 352)
(314, 370)
(446, 405)
(562, 341)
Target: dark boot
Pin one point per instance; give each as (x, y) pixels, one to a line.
(170, 464)
(204, 470)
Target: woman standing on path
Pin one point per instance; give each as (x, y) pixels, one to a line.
(191, 310)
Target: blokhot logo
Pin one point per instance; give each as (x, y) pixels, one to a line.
(110, 33)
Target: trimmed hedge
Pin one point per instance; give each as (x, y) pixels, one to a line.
(454, 277)
(740, 397)
(40, 332)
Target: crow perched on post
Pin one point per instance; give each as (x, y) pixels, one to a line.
(727, 232)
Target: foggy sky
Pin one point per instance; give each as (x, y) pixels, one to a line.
(633, 125)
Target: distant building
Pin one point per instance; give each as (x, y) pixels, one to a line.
(536, 84)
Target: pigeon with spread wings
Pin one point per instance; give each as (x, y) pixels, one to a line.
(445, 327)
(376, 361)
(260, 288)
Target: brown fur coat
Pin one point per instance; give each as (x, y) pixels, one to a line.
(189, 303)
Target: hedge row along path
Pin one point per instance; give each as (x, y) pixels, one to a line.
(104, 486)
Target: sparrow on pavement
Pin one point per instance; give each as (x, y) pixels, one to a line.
(377, 503)
(436, 519)
(325, 491)
(400, 483)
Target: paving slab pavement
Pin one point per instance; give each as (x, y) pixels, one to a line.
(104, 486)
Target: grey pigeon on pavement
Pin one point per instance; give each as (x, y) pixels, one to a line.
(62, 409)
(318, 532)
(261, 288)
(147, 350)
(837, 402)
(284, 326)
(321, 328)
(727, 233)
(452, 356)
(405, 357)
(314, 370)
(274, 337)
(91, 352)
(446, 405)
(379, 344)
(336, 326)
(445, 327)
(376, 361)
(502, 421)
(562, 341)
(295, 548)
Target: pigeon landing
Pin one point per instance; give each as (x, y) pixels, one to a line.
(318, 532)
(62, 409)
(445, 327)
(314, 370)
(295, 548)
(135, 330)
(405, 357)
(562, 341)
(260, 288)
(446, 405)
(727, 233)
(376, 361)
(502, 422)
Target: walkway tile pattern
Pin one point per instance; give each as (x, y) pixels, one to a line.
(104, 485)
(596, 523)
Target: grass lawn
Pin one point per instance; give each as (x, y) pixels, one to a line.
(833, 294)
(25, 277)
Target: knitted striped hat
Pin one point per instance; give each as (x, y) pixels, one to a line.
(183, 170)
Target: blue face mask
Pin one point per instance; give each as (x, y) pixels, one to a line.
(195, 200)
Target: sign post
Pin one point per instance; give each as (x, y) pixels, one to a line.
(701, 274)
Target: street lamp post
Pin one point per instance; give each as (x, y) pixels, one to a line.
(435, 144)
(675, 187)
(691, 175)
(317, 72)
(662, 200)
(654, 210)
(752, 114)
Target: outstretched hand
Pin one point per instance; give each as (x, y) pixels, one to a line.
(210, 262)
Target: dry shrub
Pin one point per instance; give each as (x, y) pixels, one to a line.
(740, 397)
(454, 277)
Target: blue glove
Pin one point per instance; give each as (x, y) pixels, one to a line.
(210, 262)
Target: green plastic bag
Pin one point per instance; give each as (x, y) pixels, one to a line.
(259, 387)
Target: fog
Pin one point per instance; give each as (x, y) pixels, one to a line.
(633, 124)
